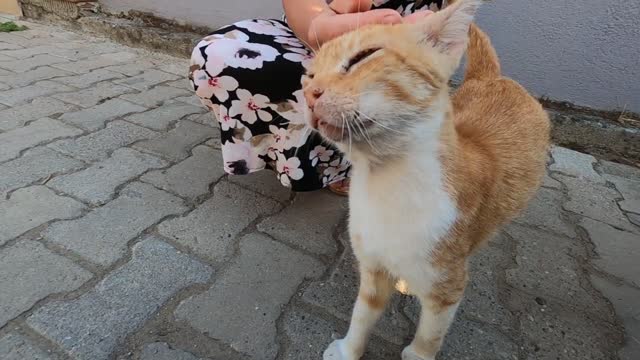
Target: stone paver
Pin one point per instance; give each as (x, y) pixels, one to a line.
(93, 325)
(18, 116)
(323, 211)
(14, 346)
(242, 306)
(102, 235)
(43, 130)
(115, 213)
(94, 118)
(98, 145)
(31, 207)
(210, 230)
(34, 165)
(192, 177)
(97, 184)
(29, 262)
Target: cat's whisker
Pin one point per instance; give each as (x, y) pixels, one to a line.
(360, 113)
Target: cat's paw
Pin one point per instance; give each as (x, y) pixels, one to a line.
(410, 354)
(337, 350)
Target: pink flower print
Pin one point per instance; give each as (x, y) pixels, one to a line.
(299, 55)
(281, 138)
(226, 121)
(336, 171)
(214, 86)
(288, 169)
(320, 153)
(291, 41)
(250, 107)
(240, 158)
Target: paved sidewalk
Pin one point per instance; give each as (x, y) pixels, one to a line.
(121, 238)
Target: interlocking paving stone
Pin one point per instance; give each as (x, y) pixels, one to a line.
(92, 326)
(243, 304)
(618, 251)
(95, 117)
(22, 79)
(21, 66)
(94, 95)
(102, 235)
(24, 94)
(31, 207)
(547, 267)
(176, 144)
(210, 229)
(14, 141)
(616, 169)
(263, 182)
(323, 211)
(162, 351)
(97, 184)
(14, 346)
(98, 145)
(34, 165)
(161, 118)
(630, 190)
(147, 79)
(155, 96)
(190, 178)
(190, 99)
(29, 262)
(595, 201)
(574, 163)
(9, 46)
(545, 211)
(84, 66)
(551, 183)
(131, 69)
(89, 79)
(18, 116)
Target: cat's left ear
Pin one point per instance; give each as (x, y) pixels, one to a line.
(447, 31)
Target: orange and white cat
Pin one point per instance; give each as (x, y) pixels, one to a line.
(434, 175)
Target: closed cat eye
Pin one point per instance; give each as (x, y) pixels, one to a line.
(361, 56)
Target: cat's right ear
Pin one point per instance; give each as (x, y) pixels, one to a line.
(447, 31)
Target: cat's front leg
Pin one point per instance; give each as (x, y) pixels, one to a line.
(375, 290)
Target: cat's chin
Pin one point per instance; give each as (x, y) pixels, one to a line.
(331, 132)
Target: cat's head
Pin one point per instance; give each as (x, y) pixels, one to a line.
(371, 89)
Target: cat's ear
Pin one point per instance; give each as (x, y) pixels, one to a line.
(447, 31)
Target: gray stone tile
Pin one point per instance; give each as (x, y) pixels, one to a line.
(23, 79)
(24, 94)
(615, 169)
(31, 207)
(634, 218)
(630, 190)
(242, 306)
(98, 145)
(41, 131)
(338, 294)
(131, 69)
(192, 177)
(34, 165)
(545, 211)
(92, 326)
(322, 210)
(14, 346)
(94, 95)
(176, 144)
(21, 66)
(164, 116)
(574, 163)
(29, 273)
(102, 235)
(551, 183)
(97, 184)
(618, 251)
(162, 351)
(547, 268)
(88, 79)
(190, 99)
(84, 66)
(263, 182)
(595, 201)
(211, 229)
(18, 116)
(147, 79)
(94, 118)
(177, 68)
(156, 96)
(205, 118)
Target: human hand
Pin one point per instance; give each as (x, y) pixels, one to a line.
(350, 6)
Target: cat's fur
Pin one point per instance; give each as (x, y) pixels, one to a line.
(434, 175)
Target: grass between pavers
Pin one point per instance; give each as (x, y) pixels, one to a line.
(11, 26)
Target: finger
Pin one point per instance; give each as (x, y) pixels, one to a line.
(416, 16)
(340, 24)
(350, 6)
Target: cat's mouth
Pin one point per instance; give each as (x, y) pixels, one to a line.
(331, 131)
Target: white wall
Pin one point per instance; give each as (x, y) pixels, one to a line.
(583, 51)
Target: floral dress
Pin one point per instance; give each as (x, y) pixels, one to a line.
(248, 74)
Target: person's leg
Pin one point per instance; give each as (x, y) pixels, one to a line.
(249, 74)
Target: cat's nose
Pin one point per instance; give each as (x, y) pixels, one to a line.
(312, 96)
